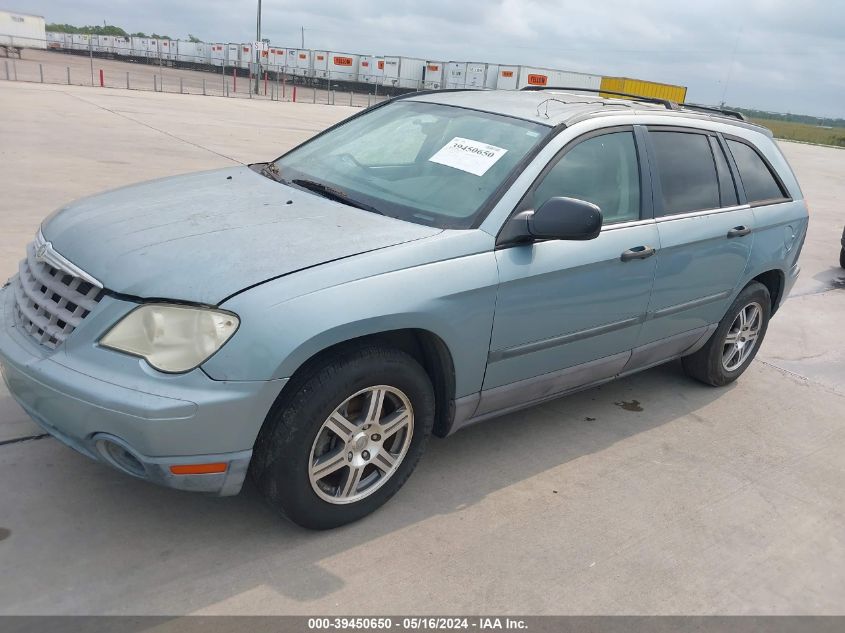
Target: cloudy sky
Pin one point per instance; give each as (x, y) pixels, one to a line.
(780, 55)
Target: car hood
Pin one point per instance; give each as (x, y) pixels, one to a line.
(205, 236)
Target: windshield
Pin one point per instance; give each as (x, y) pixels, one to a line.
(425, 163)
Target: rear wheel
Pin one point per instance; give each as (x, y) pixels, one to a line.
(842, 257)
(346, 437)
(736, 340)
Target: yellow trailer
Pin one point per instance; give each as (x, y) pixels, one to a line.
(643, 88)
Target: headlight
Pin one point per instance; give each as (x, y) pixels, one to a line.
(172, 338)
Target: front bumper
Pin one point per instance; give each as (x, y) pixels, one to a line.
(116, 409)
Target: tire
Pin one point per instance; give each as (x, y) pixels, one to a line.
(298, 434)
(842, 257)
(708, 364)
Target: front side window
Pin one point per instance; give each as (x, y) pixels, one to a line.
(760, 185)
(687, 172)
(422, 162)
(602, 170)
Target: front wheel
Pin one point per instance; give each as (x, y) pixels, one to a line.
(346, 437)
(734, 344)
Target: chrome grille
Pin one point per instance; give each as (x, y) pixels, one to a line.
(50, 303)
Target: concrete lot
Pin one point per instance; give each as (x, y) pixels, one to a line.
(705, 501)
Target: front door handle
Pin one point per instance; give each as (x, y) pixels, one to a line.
(739, 231)
(638, 252)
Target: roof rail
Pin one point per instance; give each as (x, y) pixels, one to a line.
(730, 113)
(669, 105)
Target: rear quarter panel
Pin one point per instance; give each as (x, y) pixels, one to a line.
(779, 229)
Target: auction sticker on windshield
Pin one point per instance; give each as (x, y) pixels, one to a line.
(468, 155)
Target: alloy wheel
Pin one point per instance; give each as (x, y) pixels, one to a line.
(742, 336)
(361, 444)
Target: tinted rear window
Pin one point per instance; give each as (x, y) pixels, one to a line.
(727, 187)
(687, 172)
(757, 179)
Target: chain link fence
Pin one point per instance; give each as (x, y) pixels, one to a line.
(83, 68)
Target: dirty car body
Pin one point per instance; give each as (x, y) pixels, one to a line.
(408, 246)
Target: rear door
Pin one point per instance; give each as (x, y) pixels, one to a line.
(780, 221)
(706, 232)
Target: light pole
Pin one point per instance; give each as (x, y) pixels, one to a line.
(258, 47)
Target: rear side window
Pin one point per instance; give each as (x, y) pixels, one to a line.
(602, 170)
(758, 180)
(727, 188)
(687, 172)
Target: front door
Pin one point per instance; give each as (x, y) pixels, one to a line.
(569, 312)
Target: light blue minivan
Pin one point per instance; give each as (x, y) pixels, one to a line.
(432, 262)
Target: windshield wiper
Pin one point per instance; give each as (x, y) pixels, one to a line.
(333, 194)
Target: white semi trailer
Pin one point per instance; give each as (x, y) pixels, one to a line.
(518, 77)
(122, 46)
(303, 63)
(372, 69)
(103, 44)
(192, 53)
(58, 41)
(81, 41)
(22, 30)
(433, 75)
(478, 75)
(276, 59)
(336, 66)
(403, 72)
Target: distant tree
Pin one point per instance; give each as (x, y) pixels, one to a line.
(112, 30)
(108, 29)
(139, 34)
(194, 39)
(61, 28)
(792, 118)
(160, 37)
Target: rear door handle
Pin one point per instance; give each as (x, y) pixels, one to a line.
(638, 252)
(739, 231)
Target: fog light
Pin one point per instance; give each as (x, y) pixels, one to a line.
(121, 458)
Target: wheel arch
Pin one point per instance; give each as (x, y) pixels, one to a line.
(425, 346)
(774, 280)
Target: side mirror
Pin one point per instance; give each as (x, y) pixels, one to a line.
(565, 219)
